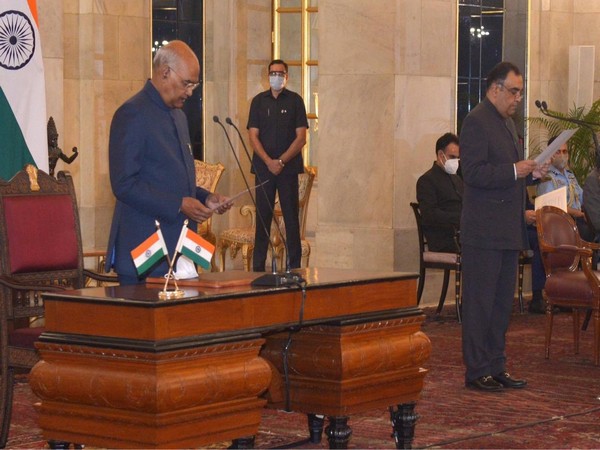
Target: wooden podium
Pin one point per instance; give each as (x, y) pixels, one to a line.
(120, 368)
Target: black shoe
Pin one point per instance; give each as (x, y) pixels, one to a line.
(507, 381)
(485, 383)
(537, 307)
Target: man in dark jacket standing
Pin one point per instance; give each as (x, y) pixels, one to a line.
(277, 126)
(493, 228)
(439, 193)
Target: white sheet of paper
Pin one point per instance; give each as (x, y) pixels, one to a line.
(557, 197)
(553, 148)
(239, 194)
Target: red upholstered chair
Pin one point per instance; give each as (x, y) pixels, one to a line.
(571, 281)
(40, 251)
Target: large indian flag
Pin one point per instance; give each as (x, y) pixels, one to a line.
(23, 134)
(195, 247)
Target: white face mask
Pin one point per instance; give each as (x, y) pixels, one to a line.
(276, 83)
(451, 165)
(560, 162)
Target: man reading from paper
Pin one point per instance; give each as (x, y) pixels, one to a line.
(151, 164)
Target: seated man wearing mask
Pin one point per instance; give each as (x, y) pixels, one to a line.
(558, 176)
(439, 193)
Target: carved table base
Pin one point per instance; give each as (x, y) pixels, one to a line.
(126, 399)
(349, 367)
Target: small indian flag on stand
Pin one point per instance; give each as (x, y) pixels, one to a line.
(149, 252)
(194, 247)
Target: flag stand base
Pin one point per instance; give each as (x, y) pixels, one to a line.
(170, 294)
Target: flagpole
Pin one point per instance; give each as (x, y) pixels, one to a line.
(176, 293)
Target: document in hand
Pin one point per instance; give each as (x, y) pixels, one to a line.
(557, 197)
(553, 148)
(239, 194)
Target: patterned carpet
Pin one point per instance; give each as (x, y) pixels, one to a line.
(559, 409)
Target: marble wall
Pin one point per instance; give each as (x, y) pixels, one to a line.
(96, 55)
(386, 94)
(387, 76)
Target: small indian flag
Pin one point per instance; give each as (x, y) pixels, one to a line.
(194, 247)
(149, 252)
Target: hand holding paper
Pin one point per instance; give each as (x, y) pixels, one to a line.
(229, 200)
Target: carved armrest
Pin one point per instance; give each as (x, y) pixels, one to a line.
(567, 248)
(592, 245)
(250, 211)
(15, 284)
(97, 276)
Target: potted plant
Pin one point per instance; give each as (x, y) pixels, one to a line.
(582, 149)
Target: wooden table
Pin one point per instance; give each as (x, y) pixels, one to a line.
(120, 368)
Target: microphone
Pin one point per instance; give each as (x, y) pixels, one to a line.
(262, 223)
(543, 107)
(273, 279)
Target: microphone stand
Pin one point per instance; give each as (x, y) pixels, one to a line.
(269, 279)
(543, 107)
(294, 276)
(237, 160)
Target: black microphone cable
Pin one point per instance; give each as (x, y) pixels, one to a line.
(286, 347)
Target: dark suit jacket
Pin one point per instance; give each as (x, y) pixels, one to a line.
(440, 200)
(151, 170)
(493, 214)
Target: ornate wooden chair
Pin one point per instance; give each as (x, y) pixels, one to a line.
(207, 177)
(571, 280)
(40, 252)
(437, 260)
(242, 239)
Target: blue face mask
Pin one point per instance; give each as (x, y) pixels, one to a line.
(277, 83)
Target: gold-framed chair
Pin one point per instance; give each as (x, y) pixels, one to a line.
(41, 252)
(571, 280)
(207, 177)
(238, 240)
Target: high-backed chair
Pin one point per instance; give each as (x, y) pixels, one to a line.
(242, 239)
(207, 177)
(571, 281)
(40, 251)
(437, 260)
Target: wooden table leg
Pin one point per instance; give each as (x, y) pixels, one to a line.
(243, 442)
(403, 422)
(315, 427)
(338, 432)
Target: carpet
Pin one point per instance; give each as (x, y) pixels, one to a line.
(559, 409)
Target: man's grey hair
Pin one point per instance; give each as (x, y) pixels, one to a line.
(165, 56)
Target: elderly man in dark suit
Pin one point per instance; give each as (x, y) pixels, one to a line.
(439, 193)
(151, 163)
(493, 227)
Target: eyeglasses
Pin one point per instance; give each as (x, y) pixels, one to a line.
(187, 84)
(277, 74)
(515, 92)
